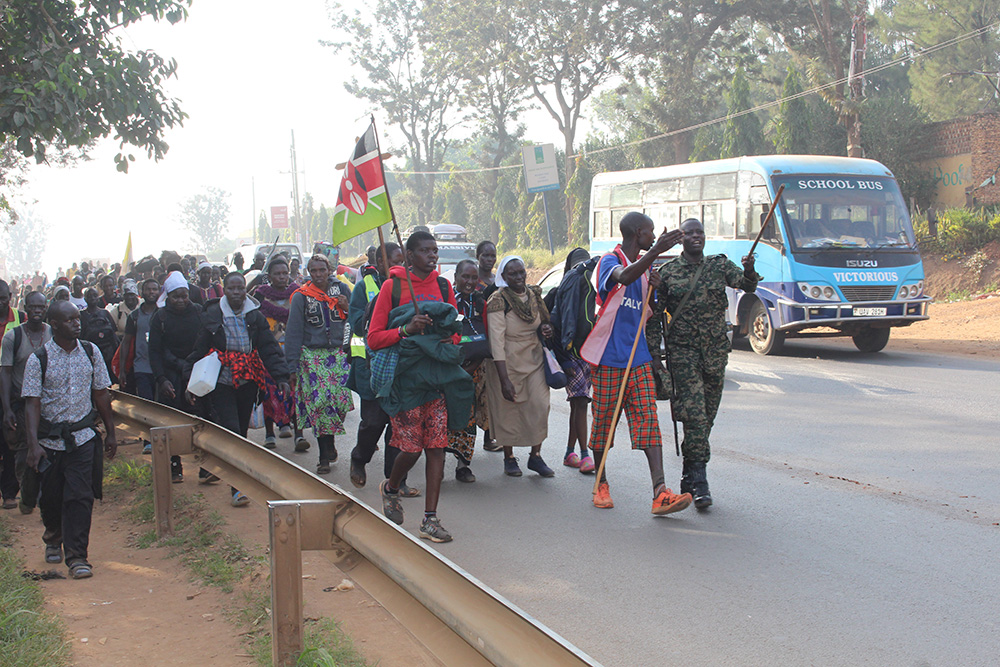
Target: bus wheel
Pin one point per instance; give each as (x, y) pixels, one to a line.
(763, 338)
(870, 339)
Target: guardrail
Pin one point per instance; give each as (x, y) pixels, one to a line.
(459, 619)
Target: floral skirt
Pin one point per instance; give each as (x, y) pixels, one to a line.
(276, 409)
(463, 443)
(322, 398)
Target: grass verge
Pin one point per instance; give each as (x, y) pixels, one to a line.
(29, 637)
(218, 558)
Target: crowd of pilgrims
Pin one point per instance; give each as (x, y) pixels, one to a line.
(297, 342)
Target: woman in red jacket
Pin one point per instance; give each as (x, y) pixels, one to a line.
(424, 428)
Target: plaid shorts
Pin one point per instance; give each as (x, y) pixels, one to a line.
(578, 374)
(420, 428)
(639, 405)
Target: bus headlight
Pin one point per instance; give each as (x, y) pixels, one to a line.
(912, 290)
(818, 292)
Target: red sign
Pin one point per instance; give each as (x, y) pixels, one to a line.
(279, 217)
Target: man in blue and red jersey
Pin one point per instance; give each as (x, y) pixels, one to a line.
(623, 281)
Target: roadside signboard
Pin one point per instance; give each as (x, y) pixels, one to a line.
(540, 171)
(279, 217)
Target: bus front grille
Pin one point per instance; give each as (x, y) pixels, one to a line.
(868, 292)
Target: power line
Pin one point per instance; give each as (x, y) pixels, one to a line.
(760, 107)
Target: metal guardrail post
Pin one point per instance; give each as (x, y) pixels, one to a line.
(286, 582)
(295, 525)
(167, 441)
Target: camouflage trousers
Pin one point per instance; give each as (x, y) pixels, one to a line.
(698, 378)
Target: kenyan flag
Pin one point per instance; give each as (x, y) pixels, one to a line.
(362, 203)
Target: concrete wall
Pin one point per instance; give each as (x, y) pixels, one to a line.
(967, 153)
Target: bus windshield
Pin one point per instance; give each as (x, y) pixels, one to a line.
(825, 212)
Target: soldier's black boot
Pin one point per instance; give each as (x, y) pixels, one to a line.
(687, 486)
(699, 482)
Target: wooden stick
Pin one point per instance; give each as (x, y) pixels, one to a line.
(385, 255)
(770, 214)
(395, 226)
(621, 389)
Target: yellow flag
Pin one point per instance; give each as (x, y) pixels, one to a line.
(128, 255)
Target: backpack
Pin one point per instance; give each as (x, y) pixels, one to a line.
(43, 357)
(101, 326)
(397, 290)
(574, 309)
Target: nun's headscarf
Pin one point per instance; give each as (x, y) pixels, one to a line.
(499, 280)
(174, 281)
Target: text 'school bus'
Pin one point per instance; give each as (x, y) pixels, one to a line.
(839, 259)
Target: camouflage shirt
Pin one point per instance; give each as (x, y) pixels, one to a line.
(703, 323)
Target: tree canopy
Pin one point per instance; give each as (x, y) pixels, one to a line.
(65, 76)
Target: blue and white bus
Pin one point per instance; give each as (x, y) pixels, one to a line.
(839, 259)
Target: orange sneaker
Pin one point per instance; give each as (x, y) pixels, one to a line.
(668, 502)
(602, 498)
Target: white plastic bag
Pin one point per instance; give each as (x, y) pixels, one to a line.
(257, 416)
(205, 374)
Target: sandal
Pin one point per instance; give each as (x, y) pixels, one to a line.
(301, 444)
(53, 553)
(80, 570)
(587, 465)
(323, 468)
(572, 460)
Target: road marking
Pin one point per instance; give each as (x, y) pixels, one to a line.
(757, 386)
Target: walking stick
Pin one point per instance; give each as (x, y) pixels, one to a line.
(767, 220)
(621, 390)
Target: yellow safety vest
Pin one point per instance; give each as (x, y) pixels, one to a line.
(16, 322)
(358, 342)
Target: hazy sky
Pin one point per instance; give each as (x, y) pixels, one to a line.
(249, 73)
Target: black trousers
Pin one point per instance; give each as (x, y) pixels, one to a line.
(232, 407)
(67, 498)
(374, 421)
(8, 467)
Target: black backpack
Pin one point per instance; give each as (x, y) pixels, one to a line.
(574, 310)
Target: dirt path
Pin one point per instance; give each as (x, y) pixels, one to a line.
(141, 606)
(963, 327)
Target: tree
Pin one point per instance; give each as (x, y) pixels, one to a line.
(418, 98)
(791, 136)
(65, 76)
(567, 49)
(206, 216)
(476, 39)
(456, 211)
(964, 78)
(263, 228)
(25, 242)
(742, 134)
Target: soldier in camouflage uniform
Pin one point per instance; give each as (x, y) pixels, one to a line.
(697, 344)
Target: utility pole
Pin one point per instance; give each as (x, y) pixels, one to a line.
(295, 195)
(253, 210)
(856, 78)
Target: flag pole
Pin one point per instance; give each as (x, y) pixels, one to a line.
(395, 225)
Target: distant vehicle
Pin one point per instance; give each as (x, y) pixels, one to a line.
(446, 232)
(840, 255)
(290, 250)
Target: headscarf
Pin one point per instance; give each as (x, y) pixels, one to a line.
(130, 287)
(499, 280)
(203, 265)
(174, 281)
(60, 288)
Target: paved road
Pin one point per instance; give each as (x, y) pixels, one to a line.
(857, 503)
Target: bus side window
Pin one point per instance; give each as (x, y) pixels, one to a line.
(771, 233)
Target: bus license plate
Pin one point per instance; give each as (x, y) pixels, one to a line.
(869, 312)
